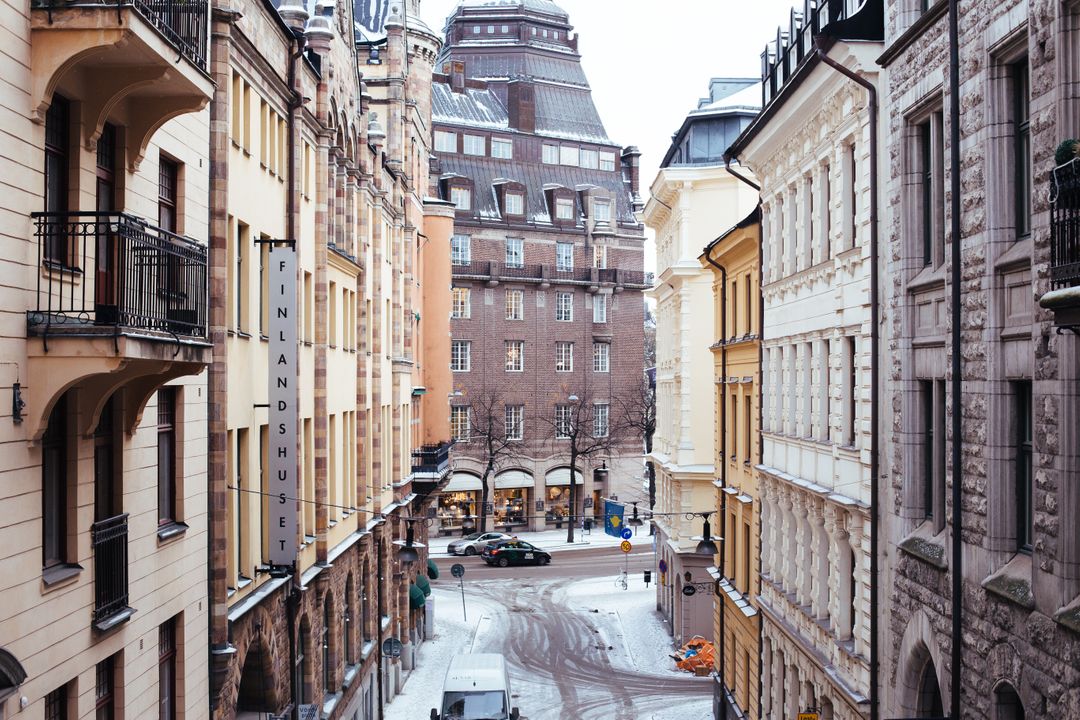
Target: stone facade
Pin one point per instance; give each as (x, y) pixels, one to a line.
(1021, 587)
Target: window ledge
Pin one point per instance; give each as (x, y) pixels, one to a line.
(242, 582)
(58, 575)
(115, 620)
(1017, 257)
(1069, 616)
(329, 704)
(929, 278)
(1013, 582)
(924, 545)
(171, 530)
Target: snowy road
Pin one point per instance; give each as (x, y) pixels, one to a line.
(578, 648)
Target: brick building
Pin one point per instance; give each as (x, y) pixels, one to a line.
(1020, 549)
(547, 262)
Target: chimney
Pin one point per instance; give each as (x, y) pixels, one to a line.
(457, 76)
(521, 105)
(631, 162)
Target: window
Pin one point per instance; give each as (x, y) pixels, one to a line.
(569, 156)
(515, 304)
(1022, 417)
(475, 145)
(476, 30)
(105, 689)
(1022, 145)
(461, 197)
(602, 210)
(327, 658)
(505, 28)
(551, 154)
(54, 472)
(515, 252)
(564, 307)
(515, 355)
(106, 171)
(57, 164)
(851, 194)
(107, 464)
(749, 307)
(599, 256)
(491, 29)
(460, 355)
(601, 357)
(600, 416)
(502, 148)
(564, 421)
(167, 689)
(590, 159)
(445, 141)
(850, 391)
(564, 356)
(599, 309)
(460, 426)
(460, 250)
(462, 308)
(564, 256)
(826, 212)
(168, 190)
(928, 159)
(56, 704)
(515, 204)
(607, 161)
(515, 422)
(166, 455)
(564, 209)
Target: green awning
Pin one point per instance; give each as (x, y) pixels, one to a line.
(432, 569)
(416, 597)
(423, 584)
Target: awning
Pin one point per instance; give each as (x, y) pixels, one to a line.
(432, 569)
(514, 479)
(461, 482)
(561, 476)
(416, 597)
(423, 584)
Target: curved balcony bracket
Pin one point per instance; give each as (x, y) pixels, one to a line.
(104, 94)
(144, 119)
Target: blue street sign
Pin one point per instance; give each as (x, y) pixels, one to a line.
(627, 533)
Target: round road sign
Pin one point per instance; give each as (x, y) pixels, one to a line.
(663, 566)
(457, 570)
(689, 590)
(627, 533)
(625, 546)
(391, 647)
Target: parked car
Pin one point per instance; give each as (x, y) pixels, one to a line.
(514, 552)
(473, 544)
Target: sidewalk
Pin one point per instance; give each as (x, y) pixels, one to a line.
(554, 540)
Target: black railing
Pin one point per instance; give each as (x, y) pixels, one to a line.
(433, 459)
(109, 539)
(784, 53)
(539, 273)
(115, 270)
(1065, 226)
(184, 23)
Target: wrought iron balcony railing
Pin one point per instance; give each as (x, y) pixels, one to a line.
(432, 459)
(1065, 226)
(115, 270)
(183, 23)
(110, 543)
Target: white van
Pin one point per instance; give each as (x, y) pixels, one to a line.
(477, 687)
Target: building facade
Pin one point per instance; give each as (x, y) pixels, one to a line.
(693, 199)
(810, 148)
(320, 130)
(733, 259)
(547, 265)
(1020, 552)
(104, 349)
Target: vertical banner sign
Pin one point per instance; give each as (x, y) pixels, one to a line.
(613, 518)
(283, 399)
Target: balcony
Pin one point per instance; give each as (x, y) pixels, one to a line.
(431, 462)
(142, 60)
(545, 275)
(118, 302)
(1064, 296)
(109, 539)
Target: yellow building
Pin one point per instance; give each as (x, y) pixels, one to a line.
(103, 344)
(734, 261)
(307, 149)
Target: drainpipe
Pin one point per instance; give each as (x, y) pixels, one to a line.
(760, 388)
(723, 473)
(381, 603)
(875, 460)
(295, 103)
(957, 380)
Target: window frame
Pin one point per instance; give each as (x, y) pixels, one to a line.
(458, 414)
(168, 200)
(564, 306)
(564, 256)
(549, 154)
(446, 141)
(167, 651)
(564, 356)
(168, 429)
(1020, 76)
(564, 209)
(1023, 464)
(514, 203)
(601, 419)
(515, 355)
(461, 303)
(502, 143)
(461, 198)
(564, 424)
(608, 161)
(570, 156)
(460, 356)
(514, 420)
(473, 145)
(601, 357)
(515, 309)
(56, 446)
(600, 309)
(602, 210)
(460, 249)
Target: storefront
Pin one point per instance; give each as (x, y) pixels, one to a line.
(557, 494)
(513, 494)
(460, 499)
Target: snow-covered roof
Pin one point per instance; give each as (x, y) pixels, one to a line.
(541, 6)
(749, 98)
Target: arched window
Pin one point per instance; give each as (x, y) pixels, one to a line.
(929, 702)
(304, 680)
(365, 602)
(327, 656)
(350, 621)
(1007, 705)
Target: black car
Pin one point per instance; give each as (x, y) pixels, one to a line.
(514, 552)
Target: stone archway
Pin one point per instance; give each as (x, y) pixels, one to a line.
(921, 685)
(257, 689)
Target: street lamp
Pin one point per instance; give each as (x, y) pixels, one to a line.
(634, 520)
(705, 545)
(407, 552)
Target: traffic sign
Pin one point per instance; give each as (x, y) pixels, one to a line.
(627, 533)
(457, 570)
(391, 647)
(625, 546)
(663, 566)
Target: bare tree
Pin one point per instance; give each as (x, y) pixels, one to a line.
(637, 416)
(488, 423)
(581, 431)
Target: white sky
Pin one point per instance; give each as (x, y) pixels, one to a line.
(649, 61)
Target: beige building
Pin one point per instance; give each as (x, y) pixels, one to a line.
(734, 260)
(693, 199)
(306, 149)
(103, 506)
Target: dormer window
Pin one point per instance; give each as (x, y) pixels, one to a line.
(556, 34)
(475, 145)
(551, 154)
(476, 30)
(461, 197)
(607, 161)
(445, 141)
(590, 159)
(602, 210)
(569, 156)
(564, 209)
(515, 203)
(502, 148)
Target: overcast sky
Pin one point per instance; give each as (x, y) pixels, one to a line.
(649, 61)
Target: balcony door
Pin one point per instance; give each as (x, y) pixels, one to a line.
(106, 285)
(107, 465)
